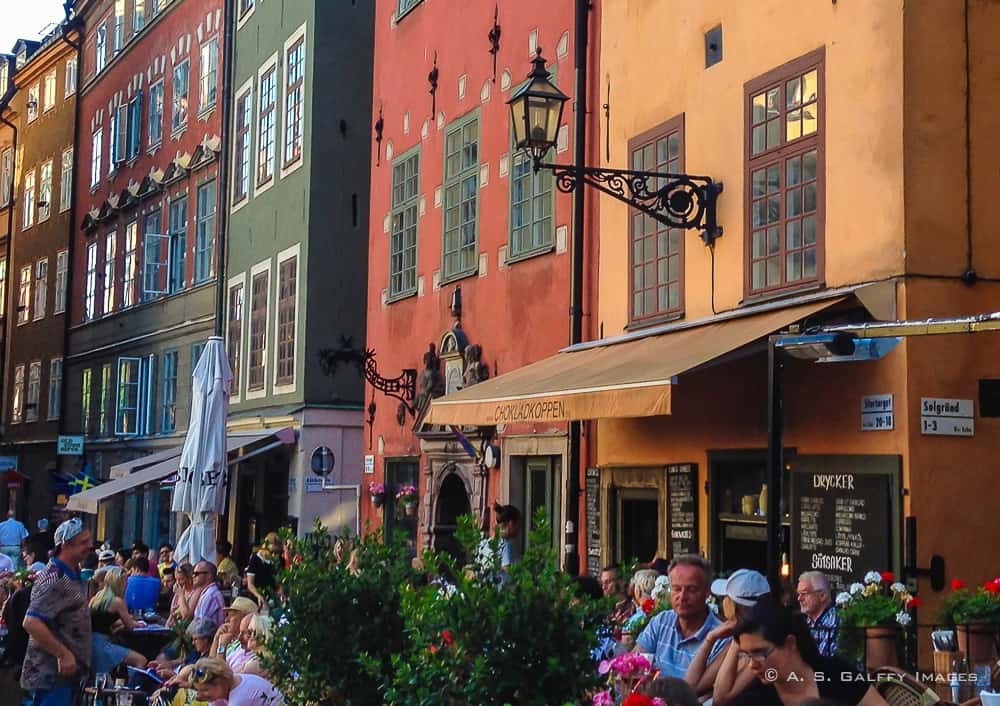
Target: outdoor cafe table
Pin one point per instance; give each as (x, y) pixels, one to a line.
(148, 641)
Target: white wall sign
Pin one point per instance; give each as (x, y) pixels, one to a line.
(70, 446)
(314, 484)
(369, 463)
(943, 416)
(877, 413)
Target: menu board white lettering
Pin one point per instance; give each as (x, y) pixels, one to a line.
(593, 504)
(682, 483)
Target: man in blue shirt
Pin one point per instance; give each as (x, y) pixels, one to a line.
(12, 534)
(816, 602)
(674, 636)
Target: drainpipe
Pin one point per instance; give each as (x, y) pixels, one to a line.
(5, 330)
(581, 27)
(223, 195)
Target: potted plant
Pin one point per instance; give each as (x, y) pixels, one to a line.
(871, 617)
(976, 617)
(624, 674)
(408, 496)
(377, 491)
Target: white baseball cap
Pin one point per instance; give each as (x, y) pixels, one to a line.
(744, 587)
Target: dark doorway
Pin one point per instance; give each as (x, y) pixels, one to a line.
(638, 524)
(261, 501)
(452, 503)
(400, 472)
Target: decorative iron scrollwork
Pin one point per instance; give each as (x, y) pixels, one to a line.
(402, 388)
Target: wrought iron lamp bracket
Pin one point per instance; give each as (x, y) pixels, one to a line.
(402, 388)
(675, 200)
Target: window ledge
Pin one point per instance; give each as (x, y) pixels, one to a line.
(207, 112)
(654, 321)
(408, 294)
(460, 276)
(179, 132)
(782, 293)
(528, 254)
(154, 147)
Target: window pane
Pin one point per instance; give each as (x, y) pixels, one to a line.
(809, 166)
(809, 262)
(793, 93)
(675, 296)
(757, 183)
(758, 244)
(809, 197)
(773, 109)
(810, 87)
(773, 240)
(757, 281)
(637, 277)
(793, 234)
(773, 209)
(793, 266)
(794, 129)
(809, 230)
(793, 171)
(675, 240)
(662, 244)
(793, 198)
(773, 179)
(759, 108)
(758, 139)
(773, 271)
(773, 133)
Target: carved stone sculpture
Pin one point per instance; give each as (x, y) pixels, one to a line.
(431, 382)
(475, 370)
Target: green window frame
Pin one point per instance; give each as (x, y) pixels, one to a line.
(403, 232)
(404, 6)
(460, 252)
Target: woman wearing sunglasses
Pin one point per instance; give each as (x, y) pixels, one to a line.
(216, 683)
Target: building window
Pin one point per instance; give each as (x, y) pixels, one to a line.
(134, 126)
(45, 191)
(266, 125)
(235, 331)
(70, 77)
(62, 274)
(287, 289)
(168, 415)
(33, 92)
(785, 175)
(66, 180)
(179, 114)
(4, 75)
(90, 290)
(85, 384)
(41, 287)
(403, 244)
(404, 6)
(245, 6)
(178, 244)
(119, 33)
(136, 386)
(101, 47)
(7, 175)
(55, 388)
(29, 200)
(49, 93)
(461, 195)
(204, 232)
(129, 262)
(294, 99)
(156, 113)
(96, 146)
(110, 245)
(105, 412)
(656, 254)
(24, 296)
(17, 399)
(208, 80)
(119, 136)
(34, 391)
(531, 205)
(155, 252)
(138, 15)
(196, 350)
(241, 167)
(258, 331)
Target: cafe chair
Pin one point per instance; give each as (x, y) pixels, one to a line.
(899, 688)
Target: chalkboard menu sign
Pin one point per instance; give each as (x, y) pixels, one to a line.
(593, 522)
(841, 524)
(682, 492)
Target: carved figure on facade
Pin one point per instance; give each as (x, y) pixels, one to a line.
(475, 369)
(431, 382)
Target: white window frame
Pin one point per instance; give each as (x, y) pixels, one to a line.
(130, 264)
(122, 411)
(101, 47)
(105, 412)
(86, 397)
(160, 267)
(90, 283)
(34, 99)
(264, 266)
(208, 76)
(155, 109)
(33, 393)
(205, 249)
(178, 122)
(41, 288)
(7, 176)
(118, 34)
(66, 180)
(178, 244)
(17, 396)
(240, 280)
(3, 282)
(138, 16)
(62, 281)
(287, 167)
(45, 191)
(244, 91)
(270, 63)
(96, 157)
(110, 255)
(145, 368)
(284, 255)
(71, 69)
(54, 407)
(133, 127)
(168, 402)
(119, 136)
(24, 295)
(49, 91)
(29, 200)
(247, 11)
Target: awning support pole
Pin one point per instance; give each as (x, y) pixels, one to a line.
(775, 460)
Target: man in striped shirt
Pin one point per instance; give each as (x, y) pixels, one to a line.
(816, 602)
(674, 636)
(211, 605)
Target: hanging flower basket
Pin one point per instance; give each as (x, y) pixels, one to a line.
(410, 509)
(377, 492)
(407, 495)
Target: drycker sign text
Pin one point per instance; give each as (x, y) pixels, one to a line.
(546, 410)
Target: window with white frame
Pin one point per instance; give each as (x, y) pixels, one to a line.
(133, 131)
(403, 237)
(461, 198)
(54, 406)
(33, 94)
(295, 91)
(288, 271)
(235, 331)
(101, 47)
(266, 105)
(34, 391)
(138, 15)
(66, 180)
(179, 112)
(85, 385)
(45, 191)
(241, 156)
(29, 200)
(208, 79)
(245, 6)
(24, 296)
(105, 410)
(155, 129)
(204, 244)
(258, 331)
(62, 281)
(155, 253)
(129, 264)
(41, 287)
(177, 229)
(70, 77)
(49, 92)
(135, 395)
(168, 413)
(90, 283)
(110, 247)
(96, 147)
(196, 350)
(17, 399)
(119, 33)
(7, 175)
(119, 136)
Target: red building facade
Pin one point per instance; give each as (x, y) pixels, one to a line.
(469, 253)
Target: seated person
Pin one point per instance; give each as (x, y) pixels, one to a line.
(227, 639)
(142, 590)
(202, 632)
(167, 583)
(109, 615)
(259, 630)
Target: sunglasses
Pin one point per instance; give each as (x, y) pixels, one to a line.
(200, 573)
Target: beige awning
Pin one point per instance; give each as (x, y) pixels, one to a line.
(626, 379)
(238, 445)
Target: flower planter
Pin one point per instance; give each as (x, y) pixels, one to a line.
(881, 647)
(378, 500)
(977, 641)
(410, 509)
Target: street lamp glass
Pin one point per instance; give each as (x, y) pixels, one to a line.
(536, 111)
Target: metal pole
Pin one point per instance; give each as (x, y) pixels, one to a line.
(222, 197)
(775, 461)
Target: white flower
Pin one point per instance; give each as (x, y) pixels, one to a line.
(712, 605)
(873, 577)
(662, 581)
(843, 598)
(657, 592)
(856, 588)
(898, 587)
(903, 618)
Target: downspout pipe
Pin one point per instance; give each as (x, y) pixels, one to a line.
(223, 179)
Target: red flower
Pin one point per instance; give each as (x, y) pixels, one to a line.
(992, 586)
(888, 576)
(648, 606)
(915, 602)
(447, 637)
(637, 700)
(432, 649)
(957, 584)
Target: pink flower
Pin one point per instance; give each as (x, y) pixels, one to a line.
(628, 664)
(957, 584)
(603, 698)
(603, 668)
(657, 701)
